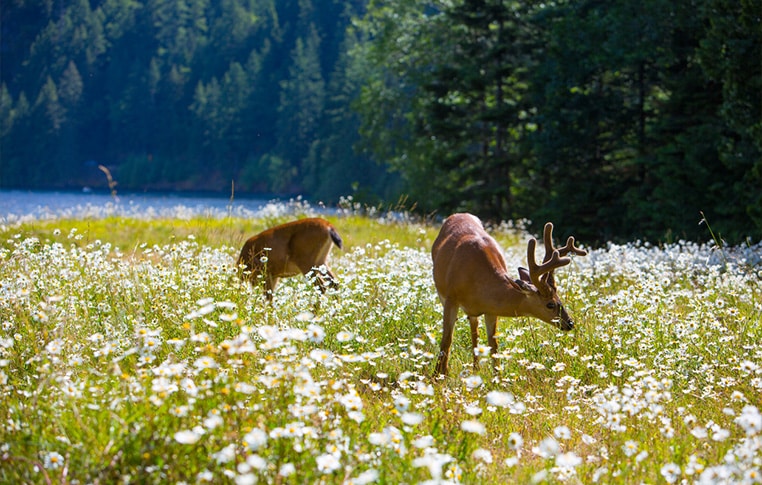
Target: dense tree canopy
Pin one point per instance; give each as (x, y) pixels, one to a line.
(614, 119)
(181, 94)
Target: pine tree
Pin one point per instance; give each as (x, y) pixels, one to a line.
(301, 106)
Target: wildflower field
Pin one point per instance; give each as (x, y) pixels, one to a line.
(130, 352)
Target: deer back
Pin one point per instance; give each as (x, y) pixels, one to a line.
(468, 263)
(291, 248)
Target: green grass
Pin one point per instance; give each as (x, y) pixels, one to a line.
(129, 351)
(129, 233)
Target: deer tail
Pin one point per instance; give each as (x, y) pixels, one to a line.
(336, 238)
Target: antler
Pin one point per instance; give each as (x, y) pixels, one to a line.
(547, 238)
(571, 248)
(536, 271)
(554, 258)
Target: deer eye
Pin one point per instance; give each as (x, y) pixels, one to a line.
(551, 305)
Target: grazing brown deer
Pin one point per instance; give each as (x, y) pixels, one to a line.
(470, 273)
(293, 248)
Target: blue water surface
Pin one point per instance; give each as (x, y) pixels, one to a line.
(19, 205)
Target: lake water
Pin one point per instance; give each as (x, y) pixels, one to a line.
(21, 205)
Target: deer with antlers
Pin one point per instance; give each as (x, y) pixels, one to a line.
(470, 273)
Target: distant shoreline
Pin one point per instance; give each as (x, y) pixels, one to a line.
(99, 190)
(19, 204)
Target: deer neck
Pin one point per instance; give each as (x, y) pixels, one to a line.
(502, 297)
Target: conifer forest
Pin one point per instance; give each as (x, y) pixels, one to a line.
(617, 120)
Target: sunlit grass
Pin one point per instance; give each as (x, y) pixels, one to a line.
(130, 351)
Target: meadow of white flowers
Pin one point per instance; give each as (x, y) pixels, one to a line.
(154, 364)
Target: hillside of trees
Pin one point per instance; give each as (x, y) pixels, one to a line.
(614, 119)
(182, 94)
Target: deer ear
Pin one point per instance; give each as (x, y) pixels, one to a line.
(551, 281)
(525, 287)
(524, 275)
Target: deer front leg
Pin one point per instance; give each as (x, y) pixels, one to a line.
(270, 283)
(474, 322)
(491, 324)
(449, 316)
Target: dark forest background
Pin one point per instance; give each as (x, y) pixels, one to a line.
(615, 119)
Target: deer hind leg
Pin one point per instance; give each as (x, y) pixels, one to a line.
(315, 268)
(323, 278)
(449, 315)
(315, 274)
(318, 277)
(474, 322)
(491, 324)
(333, 282)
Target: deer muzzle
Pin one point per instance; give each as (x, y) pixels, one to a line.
(564, 320)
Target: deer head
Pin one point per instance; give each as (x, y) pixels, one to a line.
(538, 281)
